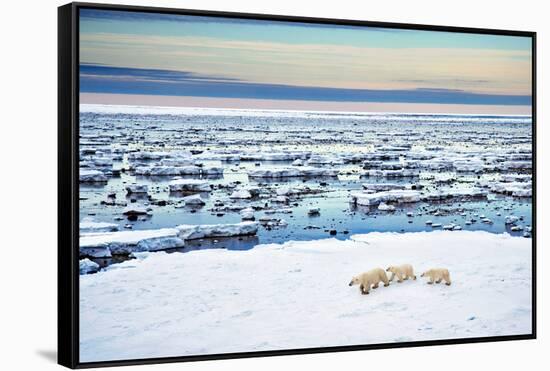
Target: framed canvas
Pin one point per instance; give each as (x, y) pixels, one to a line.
(239, 185)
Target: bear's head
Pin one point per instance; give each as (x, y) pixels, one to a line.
(354, 281)
(391, 268)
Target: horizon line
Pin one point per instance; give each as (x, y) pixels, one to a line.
(195, 102)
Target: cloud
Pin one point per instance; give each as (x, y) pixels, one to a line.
(126, 80)
(495, 71)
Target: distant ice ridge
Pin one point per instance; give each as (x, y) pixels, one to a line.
(151, 110)
(298, 292)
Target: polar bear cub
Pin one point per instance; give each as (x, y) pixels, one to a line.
(437, 275)
(403, 272)
(370, 278)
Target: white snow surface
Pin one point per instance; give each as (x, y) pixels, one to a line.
(296, 295)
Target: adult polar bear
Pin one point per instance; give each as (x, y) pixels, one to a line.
(370, 278)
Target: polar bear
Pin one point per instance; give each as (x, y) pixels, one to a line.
(403, 272)
(370, 278)
(436, 275)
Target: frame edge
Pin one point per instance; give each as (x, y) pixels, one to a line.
(67, 288)
(68, 197)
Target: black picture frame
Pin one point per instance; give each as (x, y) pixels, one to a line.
(68, 184)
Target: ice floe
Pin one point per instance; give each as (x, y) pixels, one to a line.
(92, 176)
(293, 172)
(192, 232)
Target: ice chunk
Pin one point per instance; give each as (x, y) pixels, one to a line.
(241, 194)
(212, 171)
(314, 211)
(159, 243)
(89, 225)
(133, 209)
(401, 196)
(383, 186)
(92, 176)
(194, 200)
(193, 232)
(450, 193)
(87, 266)
(247, 214)
(511, 219)
(106, 244)
(189, 185)
(385, 207)
(140, 156)
(317, 159)
(137, 188)
(293, 172)
(403, 173)
(516, 189)
(167, 170)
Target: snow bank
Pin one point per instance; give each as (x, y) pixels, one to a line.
(296, 295)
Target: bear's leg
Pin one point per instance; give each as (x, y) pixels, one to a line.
(375, 285)
(438, 280)
(431, 281)
(385, 280)
(392, 277)
(414, 277)
(399, 278)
